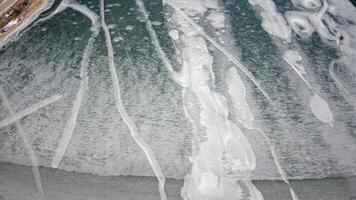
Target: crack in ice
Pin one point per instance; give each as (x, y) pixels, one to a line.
(70, 125)
(17, 116)
(127, 119)
(153, 36)
(29, 149)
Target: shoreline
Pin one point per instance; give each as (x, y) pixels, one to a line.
(18, 16)
(16, 182)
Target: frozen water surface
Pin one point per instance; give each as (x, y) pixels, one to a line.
(223, 95)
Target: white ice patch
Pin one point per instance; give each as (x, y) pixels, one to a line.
(118, 39)
(272, 21)
(237, 92)
(174, 34)
(216, 19)
(293, 58)
(308, 4)
(111, 26)
(266, 5)
(274, 24)
(156, 23)
(129, 28)
(321, 109)
(300, 24)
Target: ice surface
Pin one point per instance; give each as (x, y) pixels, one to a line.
(187, 72)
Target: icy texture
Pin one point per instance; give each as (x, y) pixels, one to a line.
(200, 79)
(100, 142)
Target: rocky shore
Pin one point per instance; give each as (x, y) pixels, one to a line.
(13, 14)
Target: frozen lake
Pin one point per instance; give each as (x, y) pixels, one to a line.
(217, 93)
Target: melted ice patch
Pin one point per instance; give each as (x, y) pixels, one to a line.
(321, 109)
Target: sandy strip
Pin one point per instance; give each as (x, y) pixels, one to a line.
(32, 12)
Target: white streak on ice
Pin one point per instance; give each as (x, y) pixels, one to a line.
(29, 110)
(224, 156)
(155, 41)
(28, 148)
(121, 108)
(237, 92)
(292, 58)
(70, 125)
